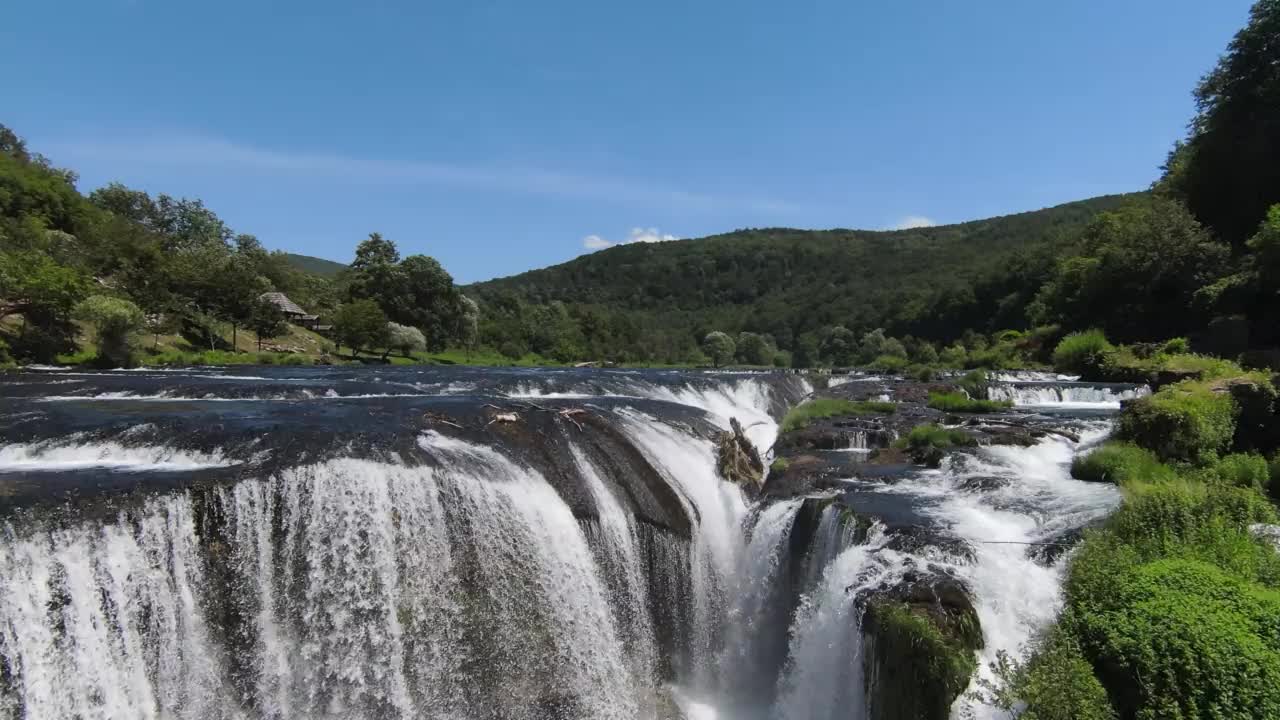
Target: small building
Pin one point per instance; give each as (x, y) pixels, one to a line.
(293, 312)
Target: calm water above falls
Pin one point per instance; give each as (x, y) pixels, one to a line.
(313, 543)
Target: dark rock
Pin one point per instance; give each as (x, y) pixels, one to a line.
(983, 483)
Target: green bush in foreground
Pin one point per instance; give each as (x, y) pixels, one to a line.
(819, 408)
(1187, 422)
(958, 402)
(114, 320)
(1179, 638)
(1055, 683)
(1081, 353)
(1120, 463)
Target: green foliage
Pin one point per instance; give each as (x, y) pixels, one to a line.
(889, 363)
(1187, 422)
(779, 465)
(1081, 353)
(974, 383)
(1136, 275)
(925, 667)
(719, 347)
(1245, 470)
(1056, 683)
(754, 349)
(360, 324)
(1228, 170)
(931, 436)
(113, 320)
(819, 408)
(1121, 464)
(404, 339)
(267, 321)
(1181, 638)
(958, 402)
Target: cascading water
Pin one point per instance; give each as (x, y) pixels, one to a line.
(391, 556)
(1065, 394)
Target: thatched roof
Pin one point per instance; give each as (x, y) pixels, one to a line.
(282, 301)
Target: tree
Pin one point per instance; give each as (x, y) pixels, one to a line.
(403, 338)
(719, 347)
(429, 300)
(113, 319)
(752, 349)
(469, 324)
(267, 320)
(839, 346)
(1228, 170)
(1137, 274)
(360, 324)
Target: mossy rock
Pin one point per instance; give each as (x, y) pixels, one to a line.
(920, 653)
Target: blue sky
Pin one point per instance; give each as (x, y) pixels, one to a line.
(501, 136)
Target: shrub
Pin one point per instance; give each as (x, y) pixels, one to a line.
(1241, 470)
(922, 373)
(957, 402)
(1179, 638)
(974, 382)
(1055, 683)
(1186, 422)
(1082, 352)
(782, 359)
(889, 363)
(802, 415)
(1121, 464)
(1176, 346)
(779, 465)
(936, 436)
(113, 319)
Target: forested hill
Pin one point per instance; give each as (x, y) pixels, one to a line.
(930, 281)
(315, 265)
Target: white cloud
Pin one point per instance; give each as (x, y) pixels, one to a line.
(913, 221)
(637, 235)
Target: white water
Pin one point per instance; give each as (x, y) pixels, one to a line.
(63, 455)
(1015, 596)
(1068, 396)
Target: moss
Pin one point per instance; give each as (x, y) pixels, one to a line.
(820, 408)
(779, 465)
(958, 402)
(919, 666)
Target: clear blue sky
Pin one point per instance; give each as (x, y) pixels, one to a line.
(501, 136)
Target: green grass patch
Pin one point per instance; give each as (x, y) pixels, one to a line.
(935, 436)
(961, 403)
(1121, 463)
(820, 408)
(779, 465)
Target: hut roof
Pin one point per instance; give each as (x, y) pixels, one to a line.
(283, 302)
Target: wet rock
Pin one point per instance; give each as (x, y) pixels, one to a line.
(983, 483)
(803, 475)
(920, 643)
(925, 541)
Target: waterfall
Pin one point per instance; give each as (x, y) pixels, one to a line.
(1066, 394)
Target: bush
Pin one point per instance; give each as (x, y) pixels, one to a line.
(1187, 422)
(922, 373)
(1121, 464)
(114, 320)
(889, 363)
(1241, 470)
(1081, 353)
(802, 415)
(779, 465)
(1056, 683)
(1176, 346)
(975, 383)
(936, 436)
(957, 402)
(782, 359)
(1178, 638)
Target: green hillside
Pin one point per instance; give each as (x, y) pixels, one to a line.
(934, 282)
(314, 265)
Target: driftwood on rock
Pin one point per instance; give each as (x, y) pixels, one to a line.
(737, 459)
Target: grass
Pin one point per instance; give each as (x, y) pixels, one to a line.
(1082, 352)
(961, 403)
(1122, 464)
(923, 437)
(819, 408)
